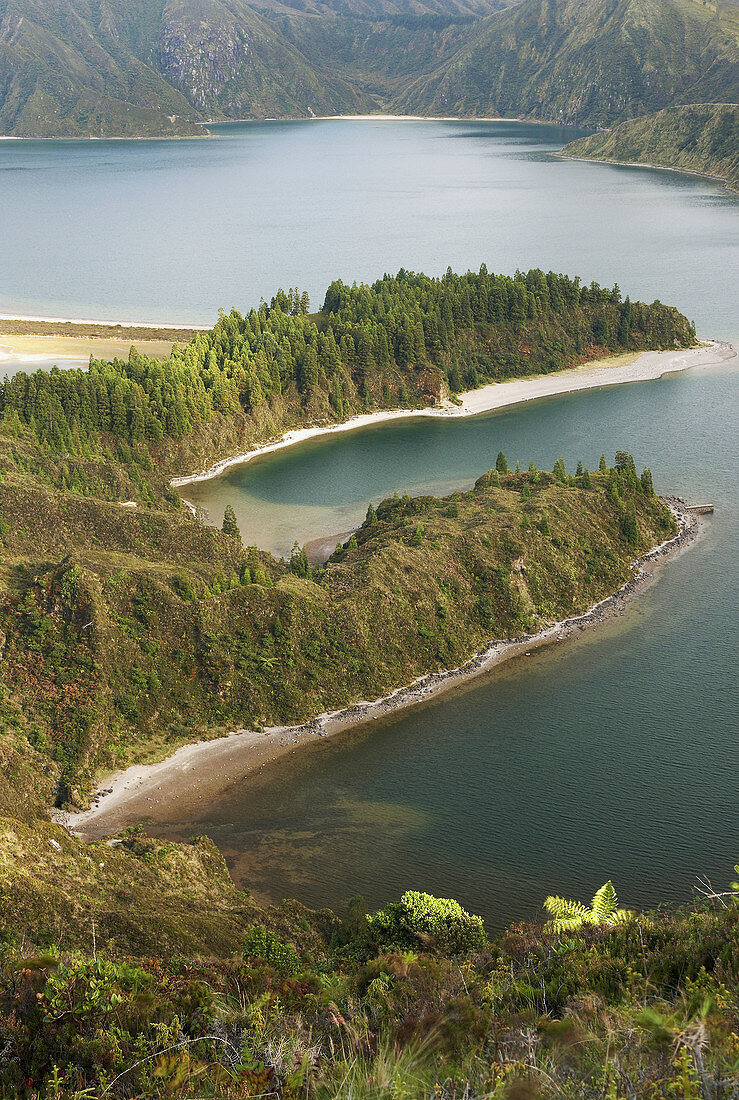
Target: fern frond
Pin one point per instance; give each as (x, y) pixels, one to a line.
(567, 915)
(564, 907)
(605, 903)
(621, 916)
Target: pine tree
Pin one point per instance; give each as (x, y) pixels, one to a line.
(602, 464)
(501, 463)
(229, 525)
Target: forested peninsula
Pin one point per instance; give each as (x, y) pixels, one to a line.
(129, 625)
(134, 967)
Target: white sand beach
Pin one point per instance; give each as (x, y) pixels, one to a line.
(498, 395)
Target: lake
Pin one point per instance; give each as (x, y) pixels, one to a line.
(170, 230)
(614, 755)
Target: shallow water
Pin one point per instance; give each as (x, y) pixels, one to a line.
(614, 755)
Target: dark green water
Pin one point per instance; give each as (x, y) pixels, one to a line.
(615, 755)
(611, 756)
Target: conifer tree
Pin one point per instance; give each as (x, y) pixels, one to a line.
(501, 463)
(229, 525)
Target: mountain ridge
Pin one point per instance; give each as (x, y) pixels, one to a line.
(586, 62)
(167, 67)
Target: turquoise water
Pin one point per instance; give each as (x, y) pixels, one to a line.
(614, 755)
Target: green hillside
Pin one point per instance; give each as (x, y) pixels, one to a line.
(151, 68)
(379, 46)
(700, 138)
(587, 62)
(135, 968)
(161, 68)
(124, 624)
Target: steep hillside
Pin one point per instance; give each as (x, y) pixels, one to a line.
(379, 46)
(700, 138)
(153, 68)
(135, 968)
(587, 62)
(131, 628)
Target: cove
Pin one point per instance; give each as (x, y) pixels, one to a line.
(611, 756)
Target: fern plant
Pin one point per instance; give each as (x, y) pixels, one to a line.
(569, 916)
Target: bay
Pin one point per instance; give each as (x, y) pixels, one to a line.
(612, 756)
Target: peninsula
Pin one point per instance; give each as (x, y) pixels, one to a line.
(128, 629)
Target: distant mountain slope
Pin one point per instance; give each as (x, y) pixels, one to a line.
(701, 138)
(592, 62)
(378, 45)
(151, 67)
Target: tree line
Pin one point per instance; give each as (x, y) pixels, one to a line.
(404, 340)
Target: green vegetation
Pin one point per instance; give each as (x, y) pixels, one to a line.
(569, 916)
(129, 626)
(699, 138)
(164, 69)
(378, 46)
(588, 64)
(132, 628)
(405, 341)
(413, 1001)
(152, 68)
(134, 967)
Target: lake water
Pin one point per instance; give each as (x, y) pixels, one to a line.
(171, 230)
(614, 755)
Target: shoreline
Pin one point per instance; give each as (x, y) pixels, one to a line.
(645, 164)
(203, 125)
(149, 326)
(197, 772)
(647, 366)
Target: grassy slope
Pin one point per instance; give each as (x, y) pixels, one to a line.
(591, 63)
(150, 69)
(117, 958)
(379, 47)
(700, 137)
(131, 626)
(137, 959)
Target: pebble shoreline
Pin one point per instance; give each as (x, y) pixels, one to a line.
(200, 770)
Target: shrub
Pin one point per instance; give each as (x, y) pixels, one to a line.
(441, 922)
(259, 943)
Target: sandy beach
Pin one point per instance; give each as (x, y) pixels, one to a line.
(195, 774)
(498, 395)
(22, 352)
